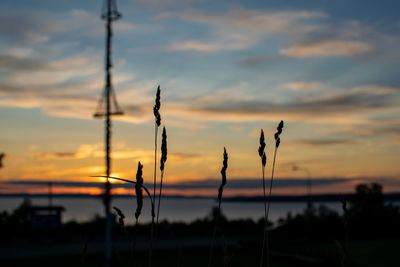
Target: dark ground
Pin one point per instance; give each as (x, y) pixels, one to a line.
(366, 235)
(195, 252)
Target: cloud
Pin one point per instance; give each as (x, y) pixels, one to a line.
(55, 155)
(56, 73)
(38, 28)
(23, 27)
(378, 127)
(120, 152)
(302, 86)
(240, 28)
(18, 63)
(254, 61)
(327, 48)
(312, 33)
(272, 21)
(83, 23)
(62, 88)
(197, 46)
(210, 47)
(348, 105)
(84, 151)
(69, 86)
(324, 142)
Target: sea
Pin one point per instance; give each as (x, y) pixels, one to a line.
(82, 209)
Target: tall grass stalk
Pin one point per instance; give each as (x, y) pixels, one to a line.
(157, 123)
(277, 143)
(139, 187)
(263, 158)
(163, 160)
(220, 191)
(139, 202)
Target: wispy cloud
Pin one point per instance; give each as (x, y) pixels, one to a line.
(23, 27)
(84, 151)
(33, 28)
(60, 88)
(238, 29)
(355, 103)
(254, 61)
(210, 47)
(120, 152)
(337, 48)
(312, 33)
(20, 63)
(303, 85)
(376, 128)
(324, 142)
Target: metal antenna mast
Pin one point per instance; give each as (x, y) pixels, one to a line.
(108, 107)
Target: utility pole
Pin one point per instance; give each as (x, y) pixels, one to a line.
(108, 107)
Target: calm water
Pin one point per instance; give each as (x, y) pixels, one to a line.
(173, 209)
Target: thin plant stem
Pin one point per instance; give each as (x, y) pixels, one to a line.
(265, 217)
(134, 241)
(151, 201)
(155, 160)
(159, 202)
(214, 234)
(154, 194)
(220, 192)
(131, 182)
(268, 207)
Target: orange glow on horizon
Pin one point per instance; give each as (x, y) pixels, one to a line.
(345, 187)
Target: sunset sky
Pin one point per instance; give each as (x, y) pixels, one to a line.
(329, 69)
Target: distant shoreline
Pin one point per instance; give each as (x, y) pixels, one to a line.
(278, 198)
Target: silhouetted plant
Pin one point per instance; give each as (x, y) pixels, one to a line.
(139, 191)
(157, 123)
(157, 116)
(139, 187)
(263, 158)
(220, 191)
(139, 202)
(121, 216)
(277, 143)
(2, 156)
(163, 160)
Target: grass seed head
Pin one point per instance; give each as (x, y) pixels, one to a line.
(278, 133)
(262, 144)
(139, 190)
(156, 107)
(164, 150)
(223, 174)
(2, 156)
(264, 159)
